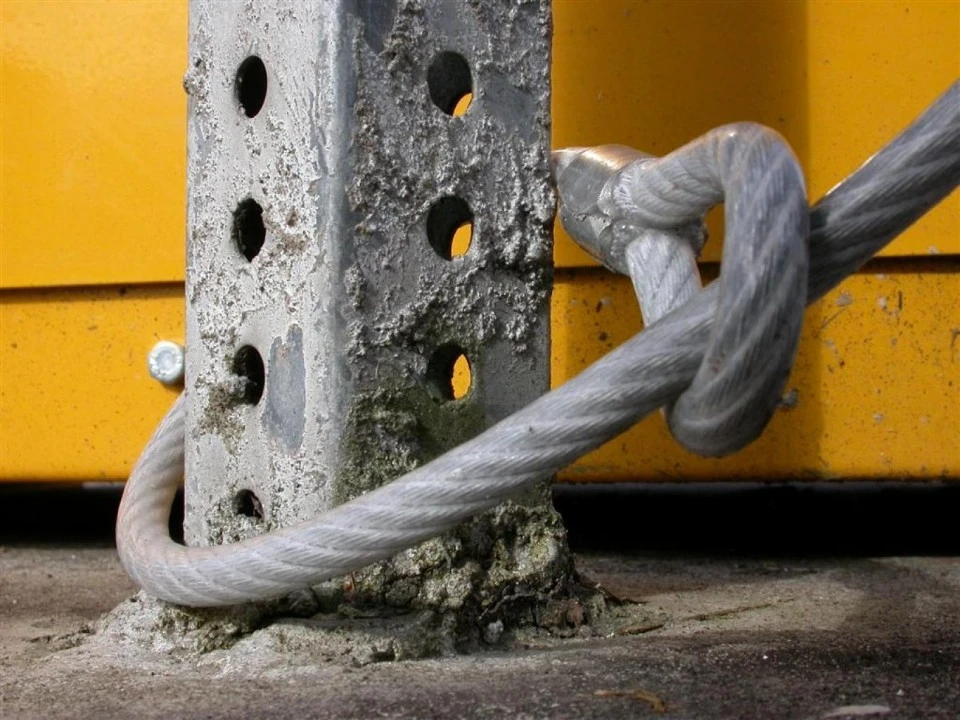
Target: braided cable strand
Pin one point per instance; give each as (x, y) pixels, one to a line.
(663, 267)
(645, 373)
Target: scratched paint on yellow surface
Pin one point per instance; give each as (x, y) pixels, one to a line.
(875, 390)
(837, 78)
(92, 142)
(76, 400)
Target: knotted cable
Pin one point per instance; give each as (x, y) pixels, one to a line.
(653, 369)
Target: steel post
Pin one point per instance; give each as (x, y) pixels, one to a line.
(354, 237)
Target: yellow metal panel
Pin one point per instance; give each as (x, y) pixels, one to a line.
(93, 142)
(93, 131)
(836, 78)
(877, 383)
(76, 401)
(871, 68)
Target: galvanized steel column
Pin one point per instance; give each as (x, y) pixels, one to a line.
(330, 166)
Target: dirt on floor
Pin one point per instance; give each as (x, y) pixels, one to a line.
(691, 637)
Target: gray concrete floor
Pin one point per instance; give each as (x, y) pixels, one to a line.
(721, 629)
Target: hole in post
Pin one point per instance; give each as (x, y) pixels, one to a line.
(449, 376)
(248, 504)
(450, 227)
(251, 85)
(248, 230)
(449, 83)
(248, 364)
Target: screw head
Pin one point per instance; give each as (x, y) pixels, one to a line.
(165, 362)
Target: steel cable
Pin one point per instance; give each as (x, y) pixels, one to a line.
(620, 204)
(652, 370)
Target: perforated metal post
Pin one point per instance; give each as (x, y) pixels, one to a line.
(330, 167)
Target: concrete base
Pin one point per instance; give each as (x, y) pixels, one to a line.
(505, 572)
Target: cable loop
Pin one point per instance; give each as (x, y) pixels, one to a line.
(643, 217)
(663, 364)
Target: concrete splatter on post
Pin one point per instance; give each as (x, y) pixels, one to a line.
(335, 150)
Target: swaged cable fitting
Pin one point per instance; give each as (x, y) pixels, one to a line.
(716, 358)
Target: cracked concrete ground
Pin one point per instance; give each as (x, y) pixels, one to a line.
(741, 608)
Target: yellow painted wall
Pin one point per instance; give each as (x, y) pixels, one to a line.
(93, 139)
(76, 400)
(92, 148)
(837, 78)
